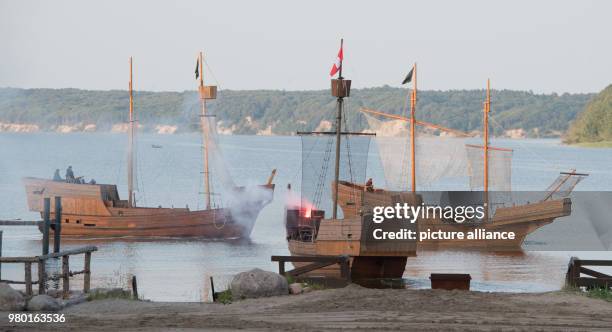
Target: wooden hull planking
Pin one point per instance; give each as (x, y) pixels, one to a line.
(520, 219)
(96, 211)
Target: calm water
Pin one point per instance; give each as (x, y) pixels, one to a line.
(173, 270)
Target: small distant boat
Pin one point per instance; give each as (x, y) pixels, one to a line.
(95, 210)
(156, 146)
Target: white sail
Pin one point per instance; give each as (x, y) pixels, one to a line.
(500, 168)
(436, 157)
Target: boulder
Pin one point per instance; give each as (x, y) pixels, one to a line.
(258, 283)
(43, 303)
(10, 299)
(296, 288)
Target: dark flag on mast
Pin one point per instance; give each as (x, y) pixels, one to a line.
(197, 71)
(408, 78)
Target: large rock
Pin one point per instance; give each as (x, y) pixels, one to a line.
(10, 299)
(43, 303)
(258, 283)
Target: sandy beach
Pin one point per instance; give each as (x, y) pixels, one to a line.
(353, 307)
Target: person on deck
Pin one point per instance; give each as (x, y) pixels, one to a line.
(369, 186)
(56, 175)
(69, 174)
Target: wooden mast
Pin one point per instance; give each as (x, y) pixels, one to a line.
(204, 123)
(340, 101)
(487, 108)
(413, 100)
(131, 202)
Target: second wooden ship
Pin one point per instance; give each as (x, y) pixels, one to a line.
(95, 210)
(522, 219)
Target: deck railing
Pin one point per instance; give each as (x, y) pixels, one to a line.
(594, 278)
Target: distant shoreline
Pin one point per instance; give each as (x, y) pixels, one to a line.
(602, 144)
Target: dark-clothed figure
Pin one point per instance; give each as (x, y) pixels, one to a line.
(369, 186)
(69, 174)
(56, 176)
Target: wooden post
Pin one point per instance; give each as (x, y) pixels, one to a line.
(41, 277)
(28, 278)
(281, 268)
(134, 288)
(58, 224)
(345, 270)
(87, 273)
(212, 289)
(1, 254)
(47, 225)
(66, 276)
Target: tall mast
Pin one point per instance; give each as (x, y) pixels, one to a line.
(340, 101)
(131, 202)
(413, 100)
(204, 123)
(487, 108)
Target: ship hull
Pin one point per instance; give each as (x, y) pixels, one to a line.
(92, 211)
(311, 235)
(521, 219)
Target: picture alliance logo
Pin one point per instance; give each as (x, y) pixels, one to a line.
(458, 214)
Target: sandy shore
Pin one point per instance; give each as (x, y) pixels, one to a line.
(353, 307)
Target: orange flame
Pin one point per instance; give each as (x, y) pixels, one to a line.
(305, 206)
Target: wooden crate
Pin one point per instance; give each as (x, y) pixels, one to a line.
(450, 281)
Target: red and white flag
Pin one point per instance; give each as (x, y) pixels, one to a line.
(336, 67)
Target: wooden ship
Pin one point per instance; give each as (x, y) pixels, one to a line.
(310, 233)
(96, 210)
(522, 219)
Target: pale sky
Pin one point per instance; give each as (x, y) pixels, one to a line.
(544, 46)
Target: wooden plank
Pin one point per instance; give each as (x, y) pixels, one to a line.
(594, 262)
(593, 273)
(28, 278)
(18, 259)
(66, 276)
(308, 268)
(332, 259)
(16, 282)
(76, 251)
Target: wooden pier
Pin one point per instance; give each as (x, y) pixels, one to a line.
(42, 275)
